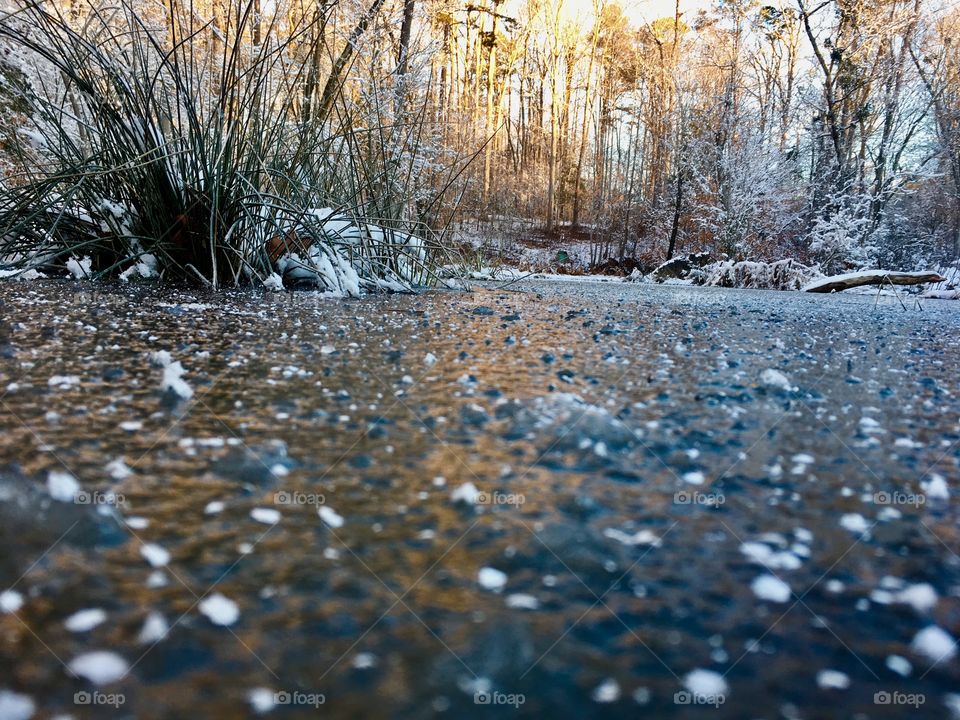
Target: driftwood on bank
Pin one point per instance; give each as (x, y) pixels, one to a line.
(871, 277)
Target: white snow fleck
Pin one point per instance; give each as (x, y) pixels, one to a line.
(364, 661)
(429, 358)
(466, 493)
(921, 597)
(16, 706)
(768, 587)
(85, 620)
(156, 579)
(100, 667)
(274, 283)
(694, 478)
(641, 537)
(213, 507)
(131, 426)
(63, 382)
(262, 700)
(803, 459)
(934, 643)
(854, 522)
(832, 680)
(870, 426)
(952, 703)
(764, 555)
(62, 486)
(775, 378)
(80, 269)
(606, 692)
(155, 629)
(10, 601)
(173, 381)
(522, 601)
(267, 516)
(936, 487)
(154, 554)
(330, 516)
(900, 665)
(118, 469)
(220, 610)
(137, 523)
(705, 683)
(327, 350)
(491, 579)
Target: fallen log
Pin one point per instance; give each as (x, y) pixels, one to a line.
(835, 283)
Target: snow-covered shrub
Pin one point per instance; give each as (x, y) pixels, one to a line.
(780, 275)
(157, 160)
(840, 239)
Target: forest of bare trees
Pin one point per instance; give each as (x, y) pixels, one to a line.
(825, 130)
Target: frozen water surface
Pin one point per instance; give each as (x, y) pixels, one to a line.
(606, 499)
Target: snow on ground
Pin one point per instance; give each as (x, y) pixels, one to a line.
(934, 643)
(466, 493)
(775, 379)
(330, 516)
(832, 680)
(62, 486)
(10, 601)
(85, 620)
(705, 683)
(219, 609)
(773, 589)
(101, 667)
(155, 629)
(16, 706)
(262, 700)
(154, 554)
(267, 516)
(606, 692)
(492, 579)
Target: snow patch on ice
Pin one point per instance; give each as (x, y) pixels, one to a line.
(934, 643)
(155, 629)
(62, 486)
(705, 683)
(154, 554)
(330, 516)
(466, 493)
(101, 667)
(80, 269)
(832, 680)
(267, 516)
(492, 579)
(85, 620)
(220, 610)
(10, 601)
(773, 589)
(16, 706)
(606, 692)
(775, 379)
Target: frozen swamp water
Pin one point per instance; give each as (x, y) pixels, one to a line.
(604, 500)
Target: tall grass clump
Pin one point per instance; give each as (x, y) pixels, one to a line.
(165, 144)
